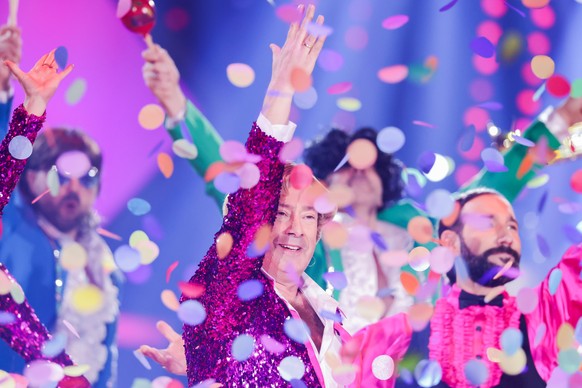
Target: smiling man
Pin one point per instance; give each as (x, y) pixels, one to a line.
(468, 322)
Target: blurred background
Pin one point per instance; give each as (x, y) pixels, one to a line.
(441, 90)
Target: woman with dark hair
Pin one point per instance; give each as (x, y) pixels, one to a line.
(24, 332)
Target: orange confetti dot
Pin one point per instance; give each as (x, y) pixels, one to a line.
(362, 154)
(213, 170)
(151, 116)
(449, 220)
(409, 282)
(170, 300)
(525, 166)
(165, 164)
(420, 229)
(535, 3)
(300, 80)
(419, 315)
(262, 236)
(542, 66)
(240, 74)
(341, 195)
(223, 245)
(335, 235)
(565, 337)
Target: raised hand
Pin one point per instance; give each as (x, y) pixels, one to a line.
(300, 52)
(172, 358)
(162, 77)
(40, 83)
(11, 49)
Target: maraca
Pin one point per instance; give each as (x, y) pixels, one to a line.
(140, 18)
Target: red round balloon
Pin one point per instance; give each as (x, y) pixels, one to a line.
(141, 17)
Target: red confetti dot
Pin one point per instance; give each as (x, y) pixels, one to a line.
(575, 182)
(301, 177)
(558, 86)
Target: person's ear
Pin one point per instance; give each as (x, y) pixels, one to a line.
(451, 240)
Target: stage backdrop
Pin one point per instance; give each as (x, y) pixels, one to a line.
(414, 65)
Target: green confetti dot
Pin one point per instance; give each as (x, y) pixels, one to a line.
(576, 91)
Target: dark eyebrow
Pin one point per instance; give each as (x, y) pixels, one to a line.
(512, 219)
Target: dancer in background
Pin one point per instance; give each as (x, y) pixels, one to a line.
(25, 334)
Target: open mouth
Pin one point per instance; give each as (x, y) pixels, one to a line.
(291, 248)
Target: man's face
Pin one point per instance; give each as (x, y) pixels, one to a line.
(365, 184)
(295, 231)
(73, 203)
(489, 239)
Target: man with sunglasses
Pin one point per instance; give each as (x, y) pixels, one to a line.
(50, 244)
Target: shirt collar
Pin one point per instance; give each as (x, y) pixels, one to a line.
(317, 297)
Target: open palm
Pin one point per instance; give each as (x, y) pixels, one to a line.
(172, 358)
(41, 82)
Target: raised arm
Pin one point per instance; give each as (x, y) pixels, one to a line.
(162, 77)
(39, 85)
(248, 209)
(552, 127)
(10, 48)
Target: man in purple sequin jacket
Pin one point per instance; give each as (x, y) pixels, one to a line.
(287, 330)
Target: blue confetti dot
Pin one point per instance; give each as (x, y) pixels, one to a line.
(476, 372)
(127, 258)
(249, 290)
(428, 373)
(138, 206)
(61, 57)
(297, 330)
(242, 347)
(555, 280)
(191, 312)
(20, 147)
(511, 340)
(55, 346)
(6, 318)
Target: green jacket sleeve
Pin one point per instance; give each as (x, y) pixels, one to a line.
(508, 183)
(208, 142)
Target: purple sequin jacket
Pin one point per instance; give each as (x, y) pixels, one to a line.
(25, 334)
(208, 346)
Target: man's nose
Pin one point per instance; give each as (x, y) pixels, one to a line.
(294, 226)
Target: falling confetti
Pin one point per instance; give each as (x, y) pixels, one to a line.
(20, 147)
(151, 116)
(240, 75)
(393, 74)
(165, 164)
(395, 22)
